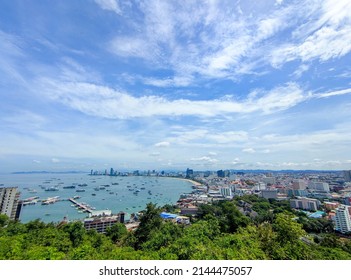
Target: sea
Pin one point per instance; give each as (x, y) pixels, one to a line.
(129, 194)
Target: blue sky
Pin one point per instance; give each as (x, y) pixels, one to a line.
(174, 84)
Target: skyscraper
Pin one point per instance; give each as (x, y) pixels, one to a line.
(347, 175)
(189, 173)
(9, 202)
(342, 219)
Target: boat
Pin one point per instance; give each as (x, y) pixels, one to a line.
(69, 187)
(93, 194)
(82, 185)
(80, 190)
(51, 189)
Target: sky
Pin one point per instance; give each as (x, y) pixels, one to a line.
(170, 85)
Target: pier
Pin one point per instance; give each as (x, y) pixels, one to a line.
(81, 206)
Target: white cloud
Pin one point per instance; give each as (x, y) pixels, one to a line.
(300, 70)
(162, 144)
(324, 38)
(110, 5)
(249, 150)
(55, 160)
(229, 136)
(127, 46)
(205, 159)
(106, 102)
(168, 82)
(333, 93)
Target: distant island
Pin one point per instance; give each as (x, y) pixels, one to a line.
(48, 172)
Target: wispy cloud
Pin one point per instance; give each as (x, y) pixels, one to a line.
(106, 102)
(199, 83)
(110, 5)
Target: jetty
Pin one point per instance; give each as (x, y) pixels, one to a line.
(81, 205)
(50, 200)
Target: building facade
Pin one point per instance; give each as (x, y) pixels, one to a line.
(9, 202)
(319, 186)
(342, 219)
(269, 194)
(305, 203)
(102, 223)
(226, 192)
(347, 175)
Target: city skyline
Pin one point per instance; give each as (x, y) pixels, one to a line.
(208, 85)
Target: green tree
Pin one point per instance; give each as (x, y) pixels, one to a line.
(196, 241)
(76, 232)
(116, 232)
(232, 219)
(3, 220)
(165, 235)
(149, 221)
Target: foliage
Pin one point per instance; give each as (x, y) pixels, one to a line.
(220, 232)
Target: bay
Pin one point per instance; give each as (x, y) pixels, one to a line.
(129, 194)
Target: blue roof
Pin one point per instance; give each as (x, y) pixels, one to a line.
(165, 215)
(318, 214)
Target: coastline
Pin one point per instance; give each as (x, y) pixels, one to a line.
(191, 181)
(188, 180)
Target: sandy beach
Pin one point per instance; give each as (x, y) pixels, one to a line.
(192, 181)
(189, 180)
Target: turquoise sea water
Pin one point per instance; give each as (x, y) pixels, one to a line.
(129, 194)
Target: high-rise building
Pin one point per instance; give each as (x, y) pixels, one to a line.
(189, 173)
(342, 219)
(9, 202)
(347, 175)
(220, 173)
(299, 184)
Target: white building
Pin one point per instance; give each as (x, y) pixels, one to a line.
(342, 219)
(226, 192)
(9, 202)
(305, 203)
(319, 186)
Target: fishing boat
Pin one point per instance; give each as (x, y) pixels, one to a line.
(52, 189)
(69, 187)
